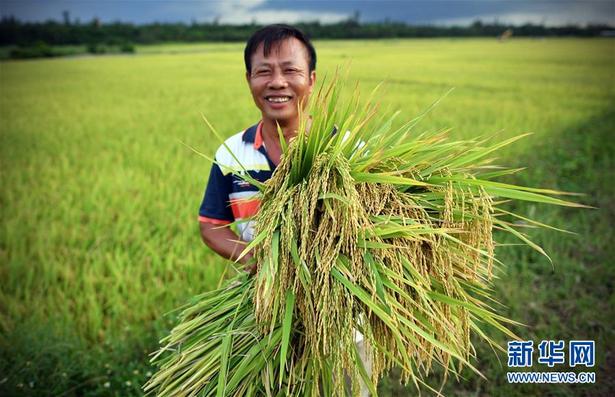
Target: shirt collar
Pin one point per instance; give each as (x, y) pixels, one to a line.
(254, 135)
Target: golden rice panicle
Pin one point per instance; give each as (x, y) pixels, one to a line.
(362, 227)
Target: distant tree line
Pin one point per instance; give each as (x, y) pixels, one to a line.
(15, 32)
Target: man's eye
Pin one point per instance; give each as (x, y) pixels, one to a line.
(291, 70)
(262, 72)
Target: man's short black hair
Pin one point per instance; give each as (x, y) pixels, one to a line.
(273, 34)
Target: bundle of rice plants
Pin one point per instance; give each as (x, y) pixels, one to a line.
(362, 228)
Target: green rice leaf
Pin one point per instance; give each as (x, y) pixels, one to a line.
(286, 329)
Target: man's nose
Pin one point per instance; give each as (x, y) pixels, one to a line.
(278, 80)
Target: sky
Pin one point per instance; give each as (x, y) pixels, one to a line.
(438, 12)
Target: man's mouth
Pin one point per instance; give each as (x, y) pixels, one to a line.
(277, 98)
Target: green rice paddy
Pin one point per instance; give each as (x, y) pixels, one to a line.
(99, 198)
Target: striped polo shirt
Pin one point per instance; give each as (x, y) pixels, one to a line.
(228, 198)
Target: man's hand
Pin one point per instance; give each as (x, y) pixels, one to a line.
(225, 242)
(249, 264)
(250, 268)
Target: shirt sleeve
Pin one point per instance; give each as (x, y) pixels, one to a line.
(215, 207)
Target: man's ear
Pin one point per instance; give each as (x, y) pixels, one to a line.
(248, 77)
(312, 79)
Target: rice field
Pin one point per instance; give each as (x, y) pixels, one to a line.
(99, 196)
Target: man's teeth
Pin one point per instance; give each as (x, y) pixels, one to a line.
(278, 99)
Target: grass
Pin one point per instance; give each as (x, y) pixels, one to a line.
(98, 202)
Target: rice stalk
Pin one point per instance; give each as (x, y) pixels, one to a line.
(361, 228)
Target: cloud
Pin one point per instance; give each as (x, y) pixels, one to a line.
(547, 13)
(247, 11)
(461, 12)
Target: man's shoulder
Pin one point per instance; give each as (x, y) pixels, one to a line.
(238, 152)
(233, 144)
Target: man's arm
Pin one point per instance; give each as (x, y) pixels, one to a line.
(224, 241)
(215, 217)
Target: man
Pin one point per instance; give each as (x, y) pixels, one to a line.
(281, 71)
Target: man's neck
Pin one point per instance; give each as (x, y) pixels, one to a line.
(270, 129)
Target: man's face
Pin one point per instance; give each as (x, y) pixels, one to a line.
(282, 80)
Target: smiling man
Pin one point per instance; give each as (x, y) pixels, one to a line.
(281, 71)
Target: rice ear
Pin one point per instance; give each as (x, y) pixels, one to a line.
(378, 230)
